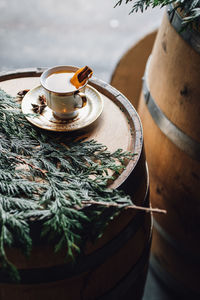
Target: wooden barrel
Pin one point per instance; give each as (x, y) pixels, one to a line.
(170, 108)
(127, 75)
(115, 266)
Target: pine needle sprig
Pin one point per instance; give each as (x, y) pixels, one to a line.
(190, 9)
(14, 231)
(52, 179)
(18, 204)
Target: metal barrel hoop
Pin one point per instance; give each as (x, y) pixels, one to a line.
(175, 134)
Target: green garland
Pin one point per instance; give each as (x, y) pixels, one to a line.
(46, 177)
(190, 9)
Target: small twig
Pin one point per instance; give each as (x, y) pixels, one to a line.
(112, 204)
(28, 164)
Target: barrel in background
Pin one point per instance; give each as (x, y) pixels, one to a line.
(169, 107)
(127, 76)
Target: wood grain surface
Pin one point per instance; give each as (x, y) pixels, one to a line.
(173, 80)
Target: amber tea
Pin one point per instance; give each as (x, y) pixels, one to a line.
(62, 96)
(59, 82)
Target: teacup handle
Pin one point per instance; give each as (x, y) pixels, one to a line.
(83, 98)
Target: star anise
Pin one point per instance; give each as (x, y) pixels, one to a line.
(42, 99)
(38, 108)
(22, 93)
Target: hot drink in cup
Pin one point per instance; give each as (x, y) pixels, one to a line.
(65, 94)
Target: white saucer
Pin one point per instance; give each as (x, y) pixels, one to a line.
(46, 119)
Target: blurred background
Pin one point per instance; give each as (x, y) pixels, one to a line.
(44, 33)
(35, 33)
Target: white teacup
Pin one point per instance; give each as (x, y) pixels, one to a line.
(62, 97)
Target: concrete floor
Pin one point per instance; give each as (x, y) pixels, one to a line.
(156, 290)
(44, 33)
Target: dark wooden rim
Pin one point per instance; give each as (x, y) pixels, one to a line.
(134, 122)
(20, 73)
(115, 96)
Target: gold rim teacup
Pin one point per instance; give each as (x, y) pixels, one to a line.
(65, 105)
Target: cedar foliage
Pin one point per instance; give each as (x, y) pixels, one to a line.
(190, 9)
(45, 177)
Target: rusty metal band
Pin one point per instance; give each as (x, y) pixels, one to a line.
(174, 134)
(191, 36)
(177, 289)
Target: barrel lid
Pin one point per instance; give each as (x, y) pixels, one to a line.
(118, 126)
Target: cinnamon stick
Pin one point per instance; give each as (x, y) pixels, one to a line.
(81, 76)
(84, 74)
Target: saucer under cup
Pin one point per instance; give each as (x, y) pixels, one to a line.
(46, 120)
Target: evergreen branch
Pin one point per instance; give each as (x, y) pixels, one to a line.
(20, 159)
(48, 178)
(17, 204)
(190, 9)
(14, 232)
(8, 269)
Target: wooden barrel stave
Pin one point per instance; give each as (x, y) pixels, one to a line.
(103, 269)
(173, 81)
(173, 185)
